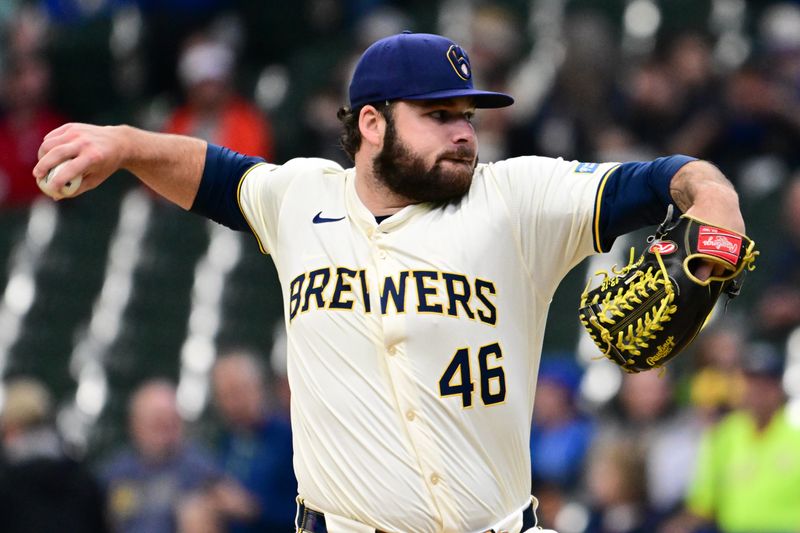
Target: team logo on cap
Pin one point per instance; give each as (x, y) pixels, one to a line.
(459, 62)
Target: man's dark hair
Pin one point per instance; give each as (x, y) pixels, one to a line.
(350, 139)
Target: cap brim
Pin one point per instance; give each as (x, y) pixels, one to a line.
(483, 99)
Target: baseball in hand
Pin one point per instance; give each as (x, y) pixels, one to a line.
(67, 190)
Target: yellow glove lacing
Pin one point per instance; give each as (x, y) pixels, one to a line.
(614, 304)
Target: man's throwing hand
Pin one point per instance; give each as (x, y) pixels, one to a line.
(90, 152)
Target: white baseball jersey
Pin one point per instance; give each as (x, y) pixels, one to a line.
(414, 344)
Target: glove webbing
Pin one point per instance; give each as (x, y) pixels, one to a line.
(643, 328)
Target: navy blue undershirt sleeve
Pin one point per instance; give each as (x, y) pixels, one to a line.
(635, 195)
(217, 196)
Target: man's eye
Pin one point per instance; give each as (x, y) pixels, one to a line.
(444, 115)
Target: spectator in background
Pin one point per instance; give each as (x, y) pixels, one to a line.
(576, 107)
(278, 370)
(779, 308)
(617, 490)
(320, 128)
(496, 47)
(689, 64)
(148, 483)
(654, 105)
(647, 413)
(561, 435)
(748, 472)
(41, 488)
(255, 452)
(716, 386)
(779, 31)
(26, 118)
(667, 103)
(256, 449)
(26, 30)
(757, 121)
(214, 111)
(167, 24)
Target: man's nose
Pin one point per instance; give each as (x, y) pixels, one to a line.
(463, 132)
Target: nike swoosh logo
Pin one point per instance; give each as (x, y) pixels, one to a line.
(319, 219)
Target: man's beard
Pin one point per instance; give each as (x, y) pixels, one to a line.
(407, 175)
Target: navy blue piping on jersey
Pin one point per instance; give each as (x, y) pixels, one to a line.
(217, 196)
(635, 195)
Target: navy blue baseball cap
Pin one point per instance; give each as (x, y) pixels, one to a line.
(417, 66)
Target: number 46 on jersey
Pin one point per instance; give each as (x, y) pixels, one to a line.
(457, 379)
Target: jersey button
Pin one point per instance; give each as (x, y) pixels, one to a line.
(382, 254)
(392, 350)
(411, 415)
(435, 479)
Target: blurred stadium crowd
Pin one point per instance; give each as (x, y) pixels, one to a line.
(141, 350)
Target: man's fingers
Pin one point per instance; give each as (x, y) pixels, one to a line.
(706, 269)
(58, 131)
(53, 157)
(50, 142)
(69, 170)
(63, 135)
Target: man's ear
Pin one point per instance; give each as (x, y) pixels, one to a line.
(372, 125)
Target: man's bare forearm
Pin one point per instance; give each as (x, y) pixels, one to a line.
(171, 165)
(701, 190)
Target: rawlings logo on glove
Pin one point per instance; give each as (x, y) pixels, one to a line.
(719, 243)
(646, 313)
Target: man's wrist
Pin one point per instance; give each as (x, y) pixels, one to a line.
(125, 137)
(700, 181)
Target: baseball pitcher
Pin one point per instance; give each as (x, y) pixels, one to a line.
(415, 284)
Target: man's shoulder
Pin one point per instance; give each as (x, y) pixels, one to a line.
(527, 166)
(308, 164)
(301, 170)
(518, 161)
